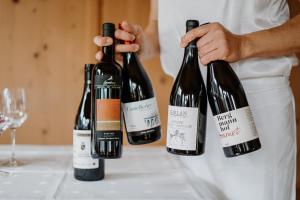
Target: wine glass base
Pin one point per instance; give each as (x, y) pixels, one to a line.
(11, 163)
(4, 173)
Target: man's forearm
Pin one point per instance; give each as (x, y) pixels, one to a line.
(151, 41)
(277, 41)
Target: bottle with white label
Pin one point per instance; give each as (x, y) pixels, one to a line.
(188, 105)
(231, 111)
(140, 110)
(86, 168)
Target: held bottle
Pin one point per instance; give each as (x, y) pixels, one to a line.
(86, 168)
(231, 111)
(106, 102)
(141, 115)
(188, 105)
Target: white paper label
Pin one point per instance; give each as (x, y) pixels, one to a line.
(236, 126)
(82, 158)
(182, 128)
(141, 115)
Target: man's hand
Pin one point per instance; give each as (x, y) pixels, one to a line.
(215, 43)
(129, 32)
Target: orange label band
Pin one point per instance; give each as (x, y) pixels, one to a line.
(108, 114)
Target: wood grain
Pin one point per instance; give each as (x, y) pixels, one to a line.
(44, 45)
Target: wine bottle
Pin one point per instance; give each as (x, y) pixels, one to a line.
(231, 111)
(139, 104)
(188, 105)
(106, 104)
(86, 168)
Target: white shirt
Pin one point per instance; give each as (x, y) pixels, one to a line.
(266, 174)
(238, 16)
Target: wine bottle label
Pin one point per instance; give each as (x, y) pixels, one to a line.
(182, 128)
(236, 126)
(82, 150)
(109, 135)
(108, 105)
(141, 115)
(107, 81)
(108, 114)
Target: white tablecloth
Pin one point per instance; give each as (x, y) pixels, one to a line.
(143, 173)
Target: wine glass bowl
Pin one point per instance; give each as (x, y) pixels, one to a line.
(14, 106)
(14, 109)
(17, 118)
(5, 123)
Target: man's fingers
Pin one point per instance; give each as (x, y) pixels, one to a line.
(102, 41)
(207, 48)
(127, 47)
(123, 35)
(99, 55)
(193, 34)
(211, 56)
(134, 29)
(204, 40)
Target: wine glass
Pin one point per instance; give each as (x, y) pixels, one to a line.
(14, 104)
(5, 123)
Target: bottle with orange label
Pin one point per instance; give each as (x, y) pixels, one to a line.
(106, 104)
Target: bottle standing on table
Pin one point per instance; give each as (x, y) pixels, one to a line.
(231, 111)
(86, 168)
(188, 105)
(106, 102)
(141, 115)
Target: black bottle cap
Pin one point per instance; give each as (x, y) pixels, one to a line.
(191, 24)
(108, 29)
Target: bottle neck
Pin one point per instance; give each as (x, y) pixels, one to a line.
(191, 51)
(108, 53)
(128, 57)
(87, 79)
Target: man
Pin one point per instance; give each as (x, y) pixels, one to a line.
(257, 38)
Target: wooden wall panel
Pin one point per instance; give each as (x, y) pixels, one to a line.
(44, 45)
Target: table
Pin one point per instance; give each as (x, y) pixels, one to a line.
(143, 173)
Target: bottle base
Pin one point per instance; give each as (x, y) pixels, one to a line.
(108, 148)
(88, 175)
(185, 152)
(80, 178)
(242, 149)
(143, 138)
(110, 155)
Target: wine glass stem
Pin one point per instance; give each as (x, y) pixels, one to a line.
(13, 147)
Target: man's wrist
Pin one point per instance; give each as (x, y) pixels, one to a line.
(246, 46)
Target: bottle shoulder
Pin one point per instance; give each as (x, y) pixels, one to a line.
(133, 66)
(221, 75)
(189, 82)
(111, 68)
(82, 120)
